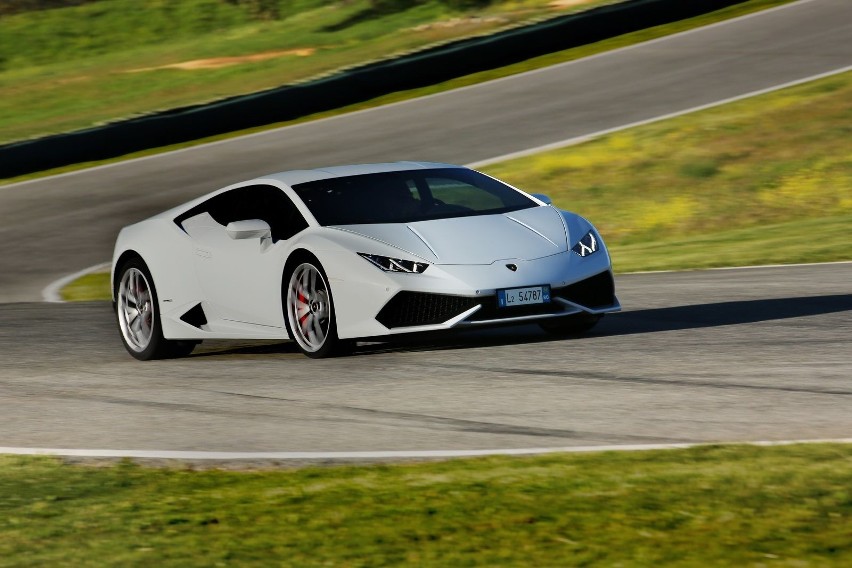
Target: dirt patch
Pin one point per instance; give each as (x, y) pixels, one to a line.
(217, 62)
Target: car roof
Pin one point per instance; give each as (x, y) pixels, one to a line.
(301, 176)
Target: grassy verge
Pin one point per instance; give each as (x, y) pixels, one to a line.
(94, 286)
(741, 184)
(707, 506)
(825, 239)
(23, 92)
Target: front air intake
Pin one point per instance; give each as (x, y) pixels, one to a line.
(408, 309)
(595, 292)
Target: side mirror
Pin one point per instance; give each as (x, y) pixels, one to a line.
(543, 198)
(249, 229)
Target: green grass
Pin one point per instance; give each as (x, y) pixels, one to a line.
(823, 239)
(741, 184)
(94, 286)
(707, 506)
(101, 61)
(38, 110)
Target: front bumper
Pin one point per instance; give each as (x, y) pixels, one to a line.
(594, 295)
(372, 303)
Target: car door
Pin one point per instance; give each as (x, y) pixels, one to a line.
(241, 278)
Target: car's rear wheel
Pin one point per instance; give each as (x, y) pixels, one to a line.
(310, 311)
(138, 316)
(570, 325)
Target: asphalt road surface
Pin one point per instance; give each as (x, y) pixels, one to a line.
(757, 354)
(56, 226)
(728, 355)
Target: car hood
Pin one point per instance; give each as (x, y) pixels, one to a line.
(525, 235)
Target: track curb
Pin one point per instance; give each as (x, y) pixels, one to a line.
(390, 454)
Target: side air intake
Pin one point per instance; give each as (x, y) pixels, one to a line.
(195, 316)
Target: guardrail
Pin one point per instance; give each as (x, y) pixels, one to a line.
(350, 86)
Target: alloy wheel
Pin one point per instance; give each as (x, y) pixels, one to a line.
(135, 309)
(309, 307)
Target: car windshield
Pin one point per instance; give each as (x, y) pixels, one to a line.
(408, 196)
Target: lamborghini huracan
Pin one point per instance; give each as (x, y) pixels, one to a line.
(329, 256)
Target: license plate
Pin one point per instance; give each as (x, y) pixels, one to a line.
(523, 296)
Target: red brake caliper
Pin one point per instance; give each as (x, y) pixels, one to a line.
(304, 300)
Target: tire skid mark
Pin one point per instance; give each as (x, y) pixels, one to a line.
(606, 377)
(464, 425)
(30, 393)
(379, 417)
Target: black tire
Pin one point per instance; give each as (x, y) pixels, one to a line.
(138, 316)
(309, 309)
(575, 324)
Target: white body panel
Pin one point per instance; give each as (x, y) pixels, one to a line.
(237, 281)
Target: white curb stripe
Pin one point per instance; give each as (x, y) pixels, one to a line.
(394, 454)
(749, 267)
(51, 292)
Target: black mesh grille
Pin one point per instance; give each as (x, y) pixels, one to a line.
(420, 308)
(595, 292)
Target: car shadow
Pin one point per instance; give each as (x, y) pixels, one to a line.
(651, 320)
(726, 313)
(220, 347)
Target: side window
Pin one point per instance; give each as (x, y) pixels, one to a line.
(276, 209)
(229, 206)
(264, 202)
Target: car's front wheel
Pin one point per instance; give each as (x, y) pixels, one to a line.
(138, 317)
(310, 311)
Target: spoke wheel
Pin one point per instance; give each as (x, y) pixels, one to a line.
(135, 310)
(310, 311)
(138, 319)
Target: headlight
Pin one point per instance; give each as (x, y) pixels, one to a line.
(389, 264)
(587, 245)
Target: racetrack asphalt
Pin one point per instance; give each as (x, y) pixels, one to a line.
(732, 355)
(59, 225)
(709, 356)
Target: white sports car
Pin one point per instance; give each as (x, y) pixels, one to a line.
(332, 255)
